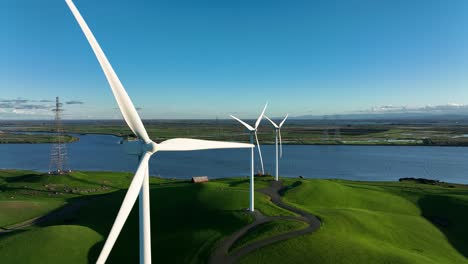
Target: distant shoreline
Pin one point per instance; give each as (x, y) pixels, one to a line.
(294, 133)
(73, 139)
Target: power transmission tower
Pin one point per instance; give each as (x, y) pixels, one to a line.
(58, 151)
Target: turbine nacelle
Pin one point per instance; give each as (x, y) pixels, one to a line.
(278, 131)
(139, 147)
(253, 132)
(151, 147)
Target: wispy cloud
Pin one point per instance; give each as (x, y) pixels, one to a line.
(28, 112)
(14, 101)
(14, 105)
(74, 102)
(11, 108)
(22, 107)
(32, 106)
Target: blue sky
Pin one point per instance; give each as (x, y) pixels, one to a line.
(203, 59)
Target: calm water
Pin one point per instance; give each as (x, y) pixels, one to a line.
(102, 152)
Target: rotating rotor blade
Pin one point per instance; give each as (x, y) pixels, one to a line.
(282, 122)
(271, 121)
(259, 152)
(261, 116)
(123, 100)
(281, 143)
(188, 144)
(125, 208)
(249, 127)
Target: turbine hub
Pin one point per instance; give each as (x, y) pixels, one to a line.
(138, 147)
(151, 147)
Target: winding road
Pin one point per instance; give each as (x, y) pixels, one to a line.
(220, 255)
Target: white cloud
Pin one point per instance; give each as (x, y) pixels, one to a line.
(74, 102)
(32, 112)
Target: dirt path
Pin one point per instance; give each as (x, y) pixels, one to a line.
(220, 254)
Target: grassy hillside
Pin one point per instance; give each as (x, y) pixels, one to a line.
(362, 222)
(376, 223)
(187, 219)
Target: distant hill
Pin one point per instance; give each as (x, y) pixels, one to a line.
(388, 116)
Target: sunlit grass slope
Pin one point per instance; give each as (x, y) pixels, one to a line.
(376, 223)
(69, 243)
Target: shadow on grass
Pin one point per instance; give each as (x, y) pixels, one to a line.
(12, 233)
(13, 191)
(184, 224)
(239, 182)
(24, 178)
(285, 189)
(186, 219)
(450, 216)
(246, 180)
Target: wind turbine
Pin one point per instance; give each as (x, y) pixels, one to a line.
(144, 147)
(252, 132)
(278, 133)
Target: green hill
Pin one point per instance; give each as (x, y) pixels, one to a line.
(362, 222)
(365, 222)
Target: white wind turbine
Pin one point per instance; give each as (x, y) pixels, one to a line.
(252, 132)
(277, 133)
(144, 148)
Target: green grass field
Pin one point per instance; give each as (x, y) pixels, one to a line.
(14, 138)
(362, 222)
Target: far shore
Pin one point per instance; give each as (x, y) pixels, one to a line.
(295, 132)
(46, 139)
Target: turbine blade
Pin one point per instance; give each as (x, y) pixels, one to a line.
(281, 143)
(123, 100)
(125, 208)
(271, 121)
(188, 144)
(259, 152)
(261, 116)
(282, 122)
(249, 127)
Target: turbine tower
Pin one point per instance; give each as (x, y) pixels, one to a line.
(252, 132)
(144, 147)
(278, 133)
(58, 151)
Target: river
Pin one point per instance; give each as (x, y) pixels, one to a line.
(375, 163)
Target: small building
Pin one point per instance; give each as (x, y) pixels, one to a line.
(199, 179)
